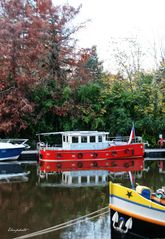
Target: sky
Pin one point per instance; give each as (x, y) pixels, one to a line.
(114, 20)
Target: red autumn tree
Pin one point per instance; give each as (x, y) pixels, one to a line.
(88, 67)
(36, 47)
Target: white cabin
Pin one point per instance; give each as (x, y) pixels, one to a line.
(81, 140)
(84, 140)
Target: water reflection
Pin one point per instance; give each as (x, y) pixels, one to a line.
(26, 207)
(98, 229)
(12, 172)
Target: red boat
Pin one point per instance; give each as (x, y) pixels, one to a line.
(90, 150)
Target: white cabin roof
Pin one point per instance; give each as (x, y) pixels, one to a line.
(76, 133)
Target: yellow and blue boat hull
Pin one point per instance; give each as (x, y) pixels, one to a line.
(146, 218)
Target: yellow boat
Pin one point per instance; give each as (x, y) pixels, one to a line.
(135, 212)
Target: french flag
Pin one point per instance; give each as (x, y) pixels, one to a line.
(132, 135)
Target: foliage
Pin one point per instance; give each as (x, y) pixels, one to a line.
(47, 84)
(36, 49)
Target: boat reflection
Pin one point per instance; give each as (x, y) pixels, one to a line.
(84, 178)
(11, 172)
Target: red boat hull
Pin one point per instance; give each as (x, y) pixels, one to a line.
(115, 158)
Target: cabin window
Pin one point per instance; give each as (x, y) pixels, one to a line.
(83, 139)
(63, 138)
(74, 139)
(100, 139)
(92, 139)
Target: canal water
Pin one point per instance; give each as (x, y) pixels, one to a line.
(28, 207)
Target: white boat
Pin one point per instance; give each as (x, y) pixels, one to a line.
(10, 149)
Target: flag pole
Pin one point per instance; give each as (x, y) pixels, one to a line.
(132, 180)
(132, 134)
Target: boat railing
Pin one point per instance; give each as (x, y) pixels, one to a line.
(46, 145)
(14, 141)
(124, 139)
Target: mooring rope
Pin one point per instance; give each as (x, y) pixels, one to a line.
(66, 224)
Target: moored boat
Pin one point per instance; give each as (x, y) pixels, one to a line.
(11, 149)
(135, 212)
(90, 150)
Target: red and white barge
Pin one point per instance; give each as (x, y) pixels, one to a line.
(89, 150)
